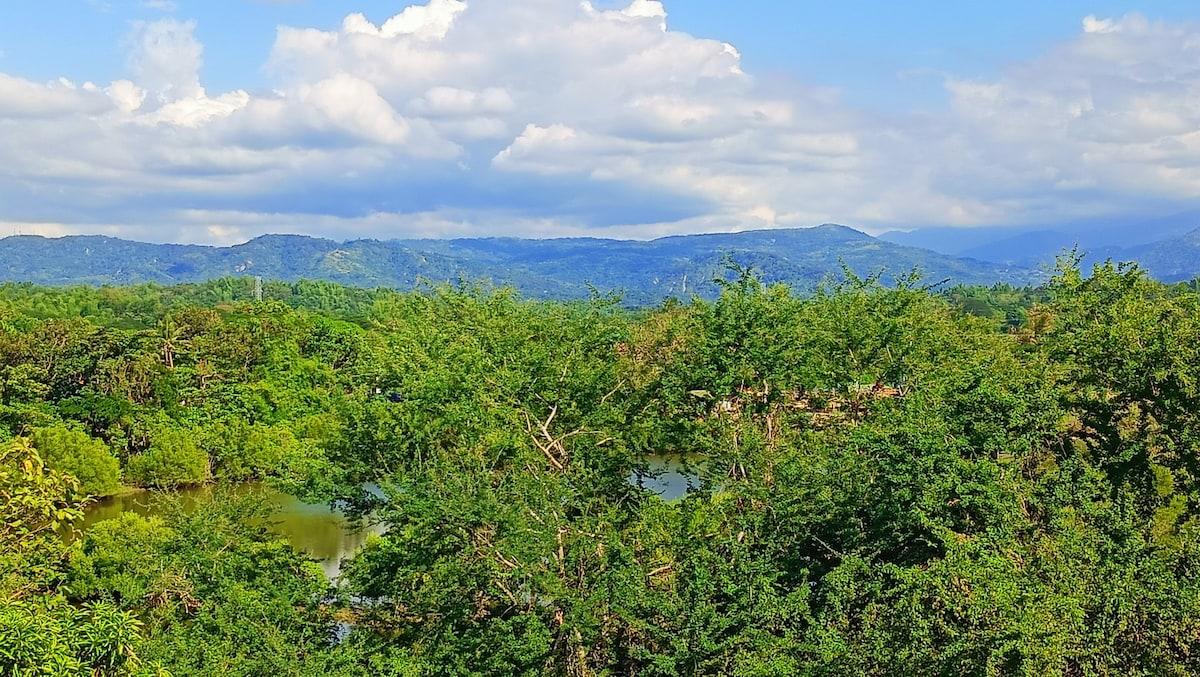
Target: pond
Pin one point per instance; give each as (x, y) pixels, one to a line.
(323, 533)
(670, 476)
(326, 534)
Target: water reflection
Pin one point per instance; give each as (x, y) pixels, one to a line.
(670, 476)
(323, 533)
(326, 534)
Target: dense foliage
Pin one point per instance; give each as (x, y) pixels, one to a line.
(890, 480)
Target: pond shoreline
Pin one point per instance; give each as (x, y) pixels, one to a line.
(321, 532)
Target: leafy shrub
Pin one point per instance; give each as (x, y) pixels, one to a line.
(50, 637)
(174, 459)
(76, 453)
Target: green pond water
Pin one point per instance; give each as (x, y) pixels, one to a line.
(326, 534)
(323, 533)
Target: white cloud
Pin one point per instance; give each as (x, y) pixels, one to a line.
(127, 96)
(165, 58)
(354, 106)
(1093, 25)
(553, 117)
(1115, 109)
(24, 99)
(637, 10)
(195, 111)
(429, 22)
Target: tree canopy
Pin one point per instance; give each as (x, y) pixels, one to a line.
(888, 480)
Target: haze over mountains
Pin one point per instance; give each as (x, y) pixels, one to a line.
(645, 271)
(1166, 246)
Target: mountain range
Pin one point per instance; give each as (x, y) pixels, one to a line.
(645, 272)
(1166, 246)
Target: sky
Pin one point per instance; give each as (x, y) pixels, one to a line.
(213, 121)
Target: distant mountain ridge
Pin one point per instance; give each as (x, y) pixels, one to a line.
(1175, 259)
(646, 271)
(1153, 242)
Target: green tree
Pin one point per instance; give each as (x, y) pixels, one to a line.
(175, 458)
(76, 453)
(217, 591)
(40, 632)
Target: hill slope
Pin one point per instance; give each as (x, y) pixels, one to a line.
(1173, 260)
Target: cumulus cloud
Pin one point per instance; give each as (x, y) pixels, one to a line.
(165, 58)
(1093, 25)
(546, 88)
(427, 22)
(1114, 110)
(21, 98)
(554, 117)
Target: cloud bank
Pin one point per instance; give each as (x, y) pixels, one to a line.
(553, 117)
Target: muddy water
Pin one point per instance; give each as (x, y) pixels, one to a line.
(326, 534)
(323, 533)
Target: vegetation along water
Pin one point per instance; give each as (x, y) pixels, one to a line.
(317, 530)
(878, 479)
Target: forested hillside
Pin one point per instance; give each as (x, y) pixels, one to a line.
(891, 480)
(557, 269)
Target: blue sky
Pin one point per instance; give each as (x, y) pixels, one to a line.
(206, 121)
